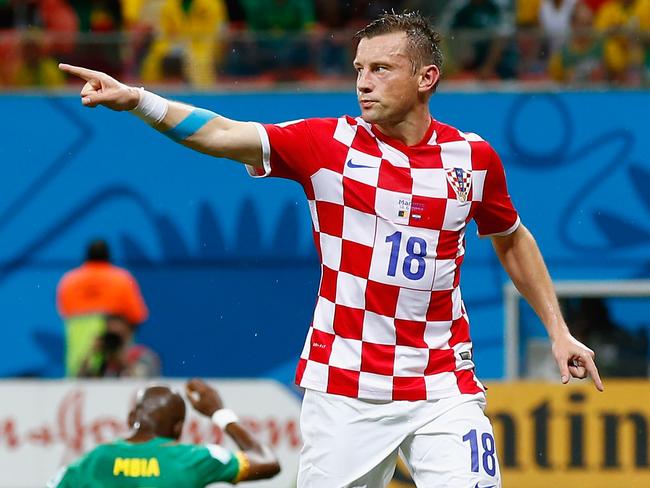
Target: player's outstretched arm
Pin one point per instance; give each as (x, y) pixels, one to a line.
(521, 258)
(262, 462)
(196, 128)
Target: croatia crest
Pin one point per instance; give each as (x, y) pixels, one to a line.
(461, 181)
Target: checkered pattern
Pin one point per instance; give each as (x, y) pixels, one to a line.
(389, 227)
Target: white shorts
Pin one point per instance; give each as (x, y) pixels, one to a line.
(354, 443)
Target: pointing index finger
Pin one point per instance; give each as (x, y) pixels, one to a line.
(590, 365)
(84, 73)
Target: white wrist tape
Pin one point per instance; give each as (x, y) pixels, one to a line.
(151, 108)
(223, 417)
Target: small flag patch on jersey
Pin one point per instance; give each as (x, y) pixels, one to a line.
(417, 207)
(461, 181)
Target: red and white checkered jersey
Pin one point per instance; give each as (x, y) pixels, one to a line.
(389, 225)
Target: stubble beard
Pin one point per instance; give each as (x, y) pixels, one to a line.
(372, 116)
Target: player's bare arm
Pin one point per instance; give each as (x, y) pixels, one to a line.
(262, 463)
(199, 129)
(521, 258)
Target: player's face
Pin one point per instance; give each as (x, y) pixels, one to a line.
(387, 88)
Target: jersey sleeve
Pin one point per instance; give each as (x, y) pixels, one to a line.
(496, 215)
(213, 463)
(294, 150)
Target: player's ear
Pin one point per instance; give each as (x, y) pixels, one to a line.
(178, 429)
(429, 76)
(131, 418)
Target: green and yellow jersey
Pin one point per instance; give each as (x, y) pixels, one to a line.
(160, 462)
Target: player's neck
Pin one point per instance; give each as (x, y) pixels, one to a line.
(411, 129)
(140, 436)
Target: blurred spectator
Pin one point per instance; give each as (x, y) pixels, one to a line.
(355, 14)
(555, 20)
(138, 19)
(527, 12)
(531, 46)
(624, 22)
(489, 55)
(98, 15)
(279, 16)
(235, 14)
(52, 38)
(57, 18)
(140, 15)
(9, 44)
(85, 295)
(115, 354)
(45, 32)
(188, 43)
(280, 47)
(432, 10)
(620, 352)
(333, 40)
(103, 19)
(36, 67)
(293, 40)
(366, 10)
(132, 12)
(595, 5)
(580, 59)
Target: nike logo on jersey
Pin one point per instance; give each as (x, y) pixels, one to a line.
(354, 165)
(491, 486)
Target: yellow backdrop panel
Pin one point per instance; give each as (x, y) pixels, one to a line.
(568, 436)
(552, 435)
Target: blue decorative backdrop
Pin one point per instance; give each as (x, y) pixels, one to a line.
(226, 263)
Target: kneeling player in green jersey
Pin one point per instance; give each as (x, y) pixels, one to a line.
(150, 456)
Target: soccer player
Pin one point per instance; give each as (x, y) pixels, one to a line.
(388, 363)
(152, 457)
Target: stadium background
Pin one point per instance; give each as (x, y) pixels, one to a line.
(227, 265)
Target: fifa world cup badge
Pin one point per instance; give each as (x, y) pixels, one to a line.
(461, 181)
